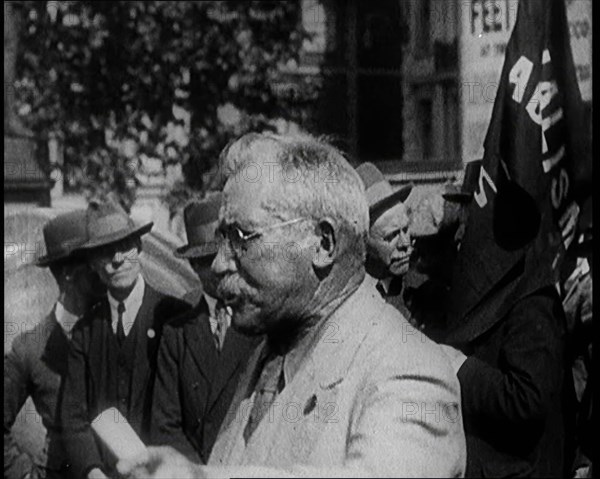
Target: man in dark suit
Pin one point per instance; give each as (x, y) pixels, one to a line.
(112, 359)
(389, 243)
(437, 225)
(200, 357)
(509, 356)
(37, 361)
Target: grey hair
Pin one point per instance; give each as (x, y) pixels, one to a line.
(317, 181)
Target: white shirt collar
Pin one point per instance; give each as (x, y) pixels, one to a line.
(584, 266)
(385, 283)
(212, 316)
(132, 303)
(64, 318)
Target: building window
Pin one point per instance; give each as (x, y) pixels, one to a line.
(422, 30)
(436, 123)
(451, 123)
(425, 127)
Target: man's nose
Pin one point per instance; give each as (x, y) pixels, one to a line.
(224, 261)
(118, 257)
(403, 241)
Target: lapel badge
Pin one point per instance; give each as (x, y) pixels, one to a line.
(310, 404)
(151, 333)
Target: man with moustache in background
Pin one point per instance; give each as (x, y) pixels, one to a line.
(389, 244)
(200, 356)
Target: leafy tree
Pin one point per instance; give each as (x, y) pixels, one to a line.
(170, 80)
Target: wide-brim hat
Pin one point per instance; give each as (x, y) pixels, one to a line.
(464, 192)
(63, 236)
(201, 220)
(380, 194)
(107, 222)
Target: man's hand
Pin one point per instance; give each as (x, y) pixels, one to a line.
(162, 462)
(96, 474)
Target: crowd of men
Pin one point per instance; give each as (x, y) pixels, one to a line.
(318, 345)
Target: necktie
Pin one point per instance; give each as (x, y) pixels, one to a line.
(221, 316)
(381, 289)
(269, 385)
(395, 287)
(120, 329)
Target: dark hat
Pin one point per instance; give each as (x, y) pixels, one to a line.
(200, 220)
(107, 223)
(379, 192)
(584, 226)
(464, 192)
(62, 236)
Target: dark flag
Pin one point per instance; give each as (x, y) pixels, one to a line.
(535, 172)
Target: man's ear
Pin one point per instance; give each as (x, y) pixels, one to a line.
(327, 244)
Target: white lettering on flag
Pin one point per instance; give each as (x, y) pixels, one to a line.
(549, 163)
(479, 195)
(519, 76)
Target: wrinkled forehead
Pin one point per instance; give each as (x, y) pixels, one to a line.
(245, 200)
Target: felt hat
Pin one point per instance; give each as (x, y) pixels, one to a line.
(107, 222)
(201, 219)
(63, 235)
(464, 192)
(380, 194)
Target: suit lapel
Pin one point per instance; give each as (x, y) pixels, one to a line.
(199, 341)
(55, 351)
(146, 344)
(235, 348)
(316, 384)
(99, 329)
(228, 442)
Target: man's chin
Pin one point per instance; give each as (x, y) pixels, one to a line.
(122, 284)
(248, 324)
(399, 269)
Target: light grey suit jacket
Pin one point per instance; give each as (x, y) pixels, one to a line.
(374, 397)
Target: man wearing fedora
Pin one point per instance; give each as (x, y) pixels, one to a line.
(112, 359)
(37, 361)
(389, 244)
(200, 356)
(438, 221)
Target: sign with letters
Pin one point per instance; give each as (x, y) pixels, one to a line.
(486, 26)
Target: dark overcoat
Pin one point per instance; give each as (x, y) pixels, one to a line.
(516, 393)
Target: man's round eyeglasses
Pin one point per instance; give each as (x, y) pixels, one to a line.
(239, 239)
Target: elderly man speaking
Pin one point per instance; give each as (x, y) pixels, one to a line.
(343, 385)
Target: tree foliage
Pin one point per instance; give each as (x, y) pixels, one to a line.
(169, 80)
